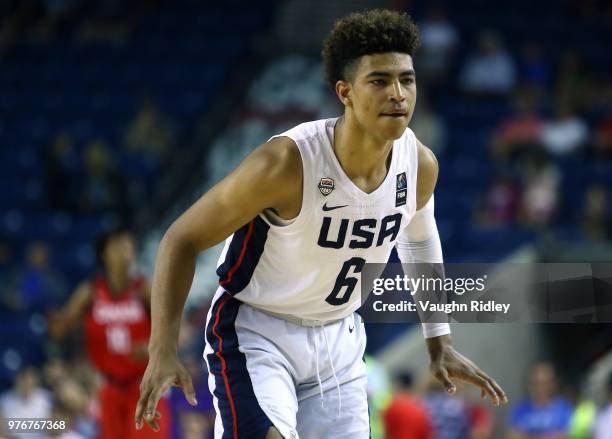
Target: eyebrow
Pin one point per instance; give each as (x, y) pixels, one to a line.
(387, 74)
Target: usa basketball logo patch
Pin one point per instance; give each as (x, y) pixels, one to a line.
(326, 185)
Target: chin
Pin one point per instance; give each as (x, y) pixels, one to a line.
(393, 129)
(393, 133)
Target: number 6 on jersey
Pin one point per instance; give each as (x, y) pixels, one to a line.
(335, 298)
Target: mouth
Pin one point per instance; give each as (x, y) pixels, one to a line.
(395, 114)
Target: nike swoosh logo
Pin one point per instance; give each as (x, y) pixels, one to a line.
(328, 208)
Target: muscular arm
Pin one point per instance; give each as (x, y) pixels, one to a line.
(270, 177)
(61, 322)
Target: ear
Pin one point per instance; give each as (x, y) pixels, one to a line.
(344, 91)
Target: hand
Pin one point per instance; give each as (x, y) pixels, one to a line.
(163, 371)
(447, 363)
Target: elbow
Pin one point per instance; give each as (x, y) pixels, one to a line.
(176, 241)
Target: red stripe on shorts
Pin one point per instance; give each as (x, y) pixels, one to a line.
(219, 355)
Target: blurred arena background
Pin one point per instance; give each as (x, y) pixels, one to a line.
(124, 112)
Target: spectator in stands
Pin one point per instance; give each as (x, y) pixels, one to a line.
(520, 132)
(439, 39)
(39, 286)
(54, 372)
(534, 69)
(428, 127)
(60, 413)
(150, 134)
(406, 417)
(603, 423)
(102, 188)
(500, 203)
(602, 139)
(457, 416)
(71, 395)
(61, 168)
(540, 197)
(596, 217)
(566, 133)
(449, 414)
(27, 399)
(491, 70)
(543, 413)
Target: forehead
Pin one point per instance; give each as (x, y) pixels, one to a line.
(391, 62)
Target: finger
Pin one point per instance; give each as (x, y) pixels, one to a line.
(442, 376)
(142, 403)
(152, 423)
(187, 386)
(498, 390)
(151, 416)
(154, 397)
(486, 387)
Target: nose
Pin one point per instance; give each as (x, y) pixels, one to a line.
(397, 94)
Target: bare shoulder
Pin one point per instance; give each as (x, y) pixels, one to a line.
(269, 177)
(280, 167)
(281, 158)
(427, 174)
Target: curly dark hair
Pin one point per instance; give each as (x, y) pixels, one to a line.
(366, 33)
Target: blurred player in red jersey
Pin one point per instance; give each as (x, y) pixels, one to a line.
(115, 309)
(406, 416)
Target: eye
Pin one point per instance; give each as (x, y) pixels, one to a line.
(378, 82)
(409, 80)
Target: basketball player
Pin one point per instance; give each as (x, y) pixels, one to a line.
(114, 308)
(304, 212)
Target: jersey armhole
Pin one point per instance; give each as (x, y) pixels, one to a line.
(276, 222)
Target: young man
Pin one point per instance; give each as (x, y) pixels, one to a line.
(305, 212)
(114, 308)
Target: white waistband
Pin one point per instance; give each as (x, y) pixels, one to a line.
(298, 320)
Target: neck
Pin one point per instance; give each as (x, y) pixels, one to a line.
(360, 154)
(117, 278)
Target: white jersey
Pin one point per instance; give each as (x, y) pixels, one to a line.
(309, 267)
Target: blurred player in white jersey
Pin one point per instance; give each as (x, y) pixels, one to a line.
(302, 215)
